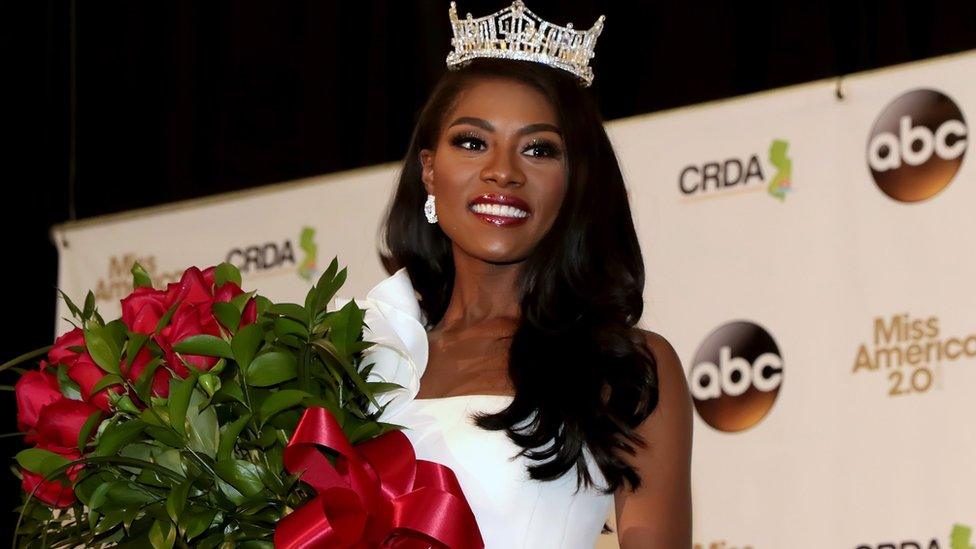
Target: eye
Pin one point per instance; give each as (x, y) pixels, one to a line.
(543, 149)
(468, 142)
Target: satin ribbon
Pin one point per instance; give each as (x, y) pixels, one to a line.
(378, 494)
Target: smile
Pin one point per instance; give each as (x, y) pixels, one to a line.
(500, 210)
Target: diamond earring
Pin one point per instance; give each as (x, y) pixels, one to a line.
(429, 210)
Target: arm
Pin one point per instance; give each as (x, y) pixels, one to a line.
(658, 514)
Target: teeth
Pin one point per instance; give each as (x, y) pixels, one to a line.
(499, 210)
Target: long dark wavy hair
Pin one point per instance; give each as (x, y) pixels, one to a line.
(582, 373)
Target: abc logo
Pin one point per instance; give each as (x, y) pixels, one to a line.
(735, 376)
(917, 145)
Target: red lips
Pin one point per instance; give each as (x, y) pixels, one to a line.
(492, 198)
(498, 220)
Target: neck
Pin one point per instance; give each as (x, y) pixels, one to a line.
(483, 292)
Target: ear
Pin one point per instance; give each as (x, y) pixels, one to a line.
(427, 169)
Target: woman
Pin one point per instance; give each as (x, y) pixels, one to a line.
(534, 385)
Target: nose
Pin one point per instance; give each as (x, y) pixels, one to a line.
(501, 169)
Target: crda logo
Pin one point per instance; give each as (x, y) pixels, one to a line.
(262, 257)
(735, 376)
(715, 178)
(917, 145)
(959, 538)
(933, 544)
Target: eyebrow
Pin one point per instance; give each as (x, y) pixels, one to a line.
(524, 130)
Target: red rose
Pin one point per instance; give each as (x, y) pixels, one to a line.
(250, 314)
(209, 276)
(87, 374)
(160, 383)
(61, 422)
(34, 390)
(192, 288)
(60, 354)
(227, 291)
(55, 493)
(188, 320)
(142, 309)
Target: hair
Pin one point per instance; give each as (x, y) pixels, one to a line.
(583, 375)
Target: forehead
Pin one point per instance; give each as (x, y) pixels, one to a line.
(503, 100)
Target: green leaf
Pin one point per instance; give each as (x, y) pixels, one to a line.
(67, 385)
(198, 522)
(240, 301)
(324, 294)
(378, 387)
(350, 370)
(322, 284)
(242, 475)
(347, 326)
(98, 498)
(75, 311)
(293, 311)
(117, 435)
(123, 403)
(204, 345)
(145, 380)
(210, 383)
(229, 435)
(140, 278)
(86, 430)
(279, 401)
(165, 435)
(162, 535)
(180, 391)
(108, 522)
(245, 344)
(103, 348)
(286, 326)
(256, 544)
(227, 272)
(89, 305)
(264, 304)
(204, 429)
(134, 345)
(176, 500)
(272, 368)
(230, 390)
(164, 320)
(107, 381)
(228, 315)
(41, 462)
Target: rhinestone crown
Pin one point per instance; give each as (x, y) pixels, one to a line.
(517, 33)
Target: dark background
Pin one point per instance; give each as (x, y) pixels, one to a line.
(121, 104)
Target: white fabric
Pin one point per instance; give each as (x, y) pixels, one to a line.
(512, 510)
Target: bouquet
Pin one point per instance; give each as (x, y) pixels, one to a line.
(207, 416)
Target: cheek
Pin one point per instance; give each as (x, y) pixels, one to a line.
(552, 199)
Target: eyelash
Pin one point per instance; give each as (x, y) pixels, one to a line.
(552, 150)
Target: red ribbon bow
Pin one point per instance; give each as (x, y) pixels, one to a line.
(378, 494)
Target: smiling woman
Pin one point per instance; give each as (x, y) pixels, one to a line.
(530, 282)
(485, 159)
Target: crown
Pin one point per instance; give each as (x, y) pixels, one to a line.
(517, 33)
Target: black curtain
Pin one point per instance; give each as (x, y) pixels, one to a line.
(122, 104)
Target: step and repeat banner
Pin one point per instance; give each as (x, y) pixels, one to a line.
(811, 255)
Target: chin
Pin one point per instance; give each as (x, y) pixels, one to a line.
(497, 255)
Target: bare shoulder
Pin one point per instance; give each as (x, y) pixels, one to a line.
(671, 376)
(658, 514)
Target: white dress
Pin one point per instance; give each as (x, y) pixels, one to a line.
(512, 510)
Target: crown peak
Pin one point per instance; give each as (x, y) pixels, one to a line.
(517, 33)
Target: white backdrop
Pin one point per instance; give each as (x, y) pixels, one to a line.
(777, 261)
